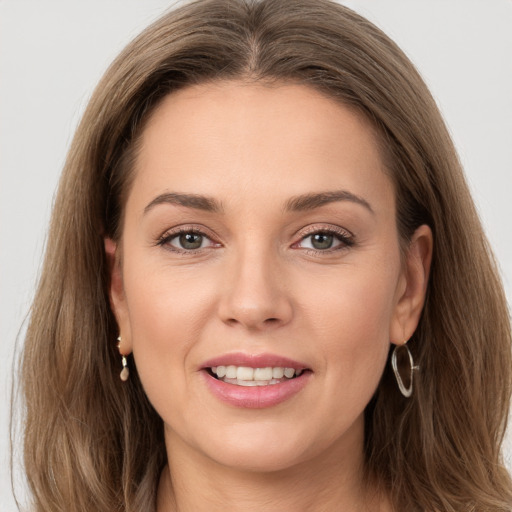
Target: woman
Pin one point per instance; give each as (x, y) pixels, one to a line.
(266, 283)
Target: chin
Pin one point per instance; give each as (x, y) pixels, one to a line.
(250, 460)
(262, 448)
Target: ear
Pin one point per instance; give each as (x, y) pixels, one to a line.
(117, 296)
(412, 286)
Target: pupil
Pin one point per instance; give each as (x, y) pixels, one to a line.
(322, 241)
(191, 241)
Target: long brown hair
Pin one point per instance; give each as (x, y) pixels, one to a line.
(95, 443)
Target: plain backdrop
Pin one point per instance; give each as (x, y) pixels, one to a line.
(52, 53)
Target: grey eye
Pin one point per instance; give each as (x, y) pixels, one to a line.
(322, 241)
(325, 241)
(187, 241)
(190, 241)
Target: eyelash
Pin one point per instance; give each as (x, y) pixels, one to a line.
(167, 237)
(345, 238)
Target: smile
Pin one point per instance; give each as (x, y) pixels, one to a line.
(255, 381)
(247, 376)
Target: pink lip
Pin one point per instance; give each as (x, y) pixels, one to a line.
(257, 397)
(254, 361)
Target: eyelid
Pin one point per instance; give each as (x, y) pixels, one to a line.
(171, 233)
(346, 237)
(324, 228)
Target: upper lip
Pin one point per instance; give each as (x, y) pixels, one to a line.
(254, 361)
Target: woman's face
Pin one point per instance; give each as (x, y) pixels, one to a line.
(259, 232)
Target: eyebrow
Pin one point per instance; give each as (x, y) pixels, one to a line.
(196, 201)
(316, 200)
(298, 203)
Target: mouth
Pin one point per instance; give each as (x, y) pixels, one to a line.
(249, 377)
(255, 381)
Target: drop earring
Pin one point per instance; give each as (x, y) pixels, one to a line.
(406, 360)
(125, 372)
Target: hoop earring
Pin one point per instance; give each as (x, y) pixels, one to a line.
(405, 390)
(125, 372)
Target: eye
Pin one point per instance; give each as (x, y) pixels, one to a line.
(320, 241)
(186, 240)
(325, 240)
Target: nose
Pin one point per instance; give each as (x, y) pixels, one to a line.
(254, 294)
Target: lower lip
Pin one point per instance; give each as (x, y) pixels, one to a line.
(256, 397)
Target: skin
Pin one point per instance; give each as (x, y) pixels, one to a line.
(258, 285)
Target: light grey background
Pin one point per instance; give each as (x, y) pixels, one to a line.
(52, 53)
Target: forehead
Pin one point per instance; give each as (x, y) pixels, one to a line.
(227, 138)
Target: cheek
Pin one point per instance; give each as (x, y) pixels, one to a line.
(350, 317)
(167, 314)
(355, 303)
(164, 302)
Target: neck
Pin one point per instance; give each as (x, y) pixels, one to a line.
(331, 481)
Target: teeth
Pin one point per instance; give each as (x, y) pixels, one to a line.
(289, 373)
(263, 374)
(247, 376)
(278, 373)
(231, 372)
(252, 383)
(244, 373)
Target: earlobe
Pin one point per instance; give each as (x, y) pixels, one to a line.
(116, 294)
(413, 289)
